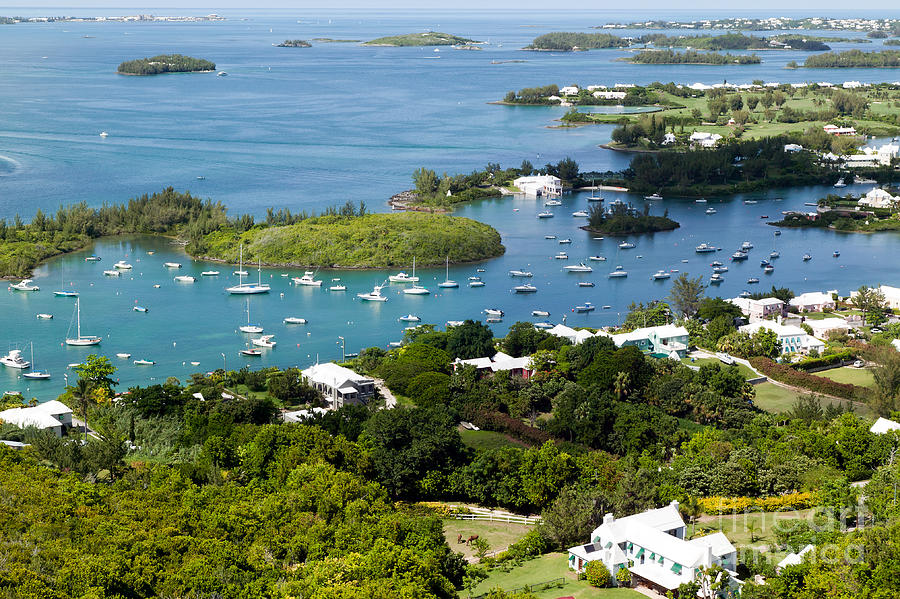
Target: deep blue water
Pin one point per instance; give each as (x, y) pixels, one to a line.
(308, 128)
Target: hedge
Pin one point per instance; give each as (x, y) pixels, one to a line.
(731, 505)
(817, 384)
(813, 363)
(503, 423)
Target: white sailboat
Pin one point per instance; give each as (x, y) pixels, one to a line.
(248, 288)
(35, 374)
(448, 283)
(416, 289)
(79, 339)
(250, 327)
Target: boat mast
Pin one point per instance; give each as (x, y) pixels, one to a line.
(78, 318)
(241, 268)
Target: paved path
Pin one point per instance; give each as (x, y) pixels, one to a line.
(389, 400)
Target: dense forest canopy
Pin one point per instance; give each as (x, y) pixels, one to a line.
(692, 57)
(854, 59)
(166, 63)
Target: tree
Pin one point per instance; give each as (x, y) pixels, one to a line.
(711, 307)
(621, 385)
(686, 294)
(871, 303)
(572, 516)
(426, 181)
(470, 340)
(655, 313)
(887, 383)
(80, 393)
(97, 370)
(597, 574)
(482, 547)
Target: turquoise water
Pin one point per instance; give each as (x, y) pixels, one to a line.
(308, 128)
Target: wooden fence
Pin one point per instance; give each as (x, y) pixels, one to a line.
(509, 518)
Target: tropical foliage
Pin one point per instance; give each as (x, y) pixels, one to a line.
(165, 63)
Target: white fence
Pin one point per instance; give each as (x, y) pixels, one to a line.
(509, 518)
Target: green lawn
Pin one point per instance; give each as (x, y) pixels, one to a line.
(748, 374)
(775, 399)
(855, 376)
(545, 568)
(499, 535)
(764, 523)
(483, 440)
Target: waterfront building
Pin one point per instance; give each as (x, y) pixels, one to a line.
(793, 339)
(756, 310)
(878, 198)
(569, 90)
(891, 296)
(339, 385)
(539, 185)
(574, 337)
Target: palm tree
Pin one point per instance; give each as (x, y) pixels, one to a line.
(691, 510)
(621, 384)
(80, 393)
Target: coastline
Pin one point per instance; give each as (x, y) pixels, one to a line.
(163, 73)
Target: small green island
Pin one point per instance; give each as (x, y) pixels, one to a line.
(166, 63)
(691, 57)
(624, 219)
(568, 41)
(294, 44)
(331, 40)
(572, 41)
(851, 59)
(428, 38)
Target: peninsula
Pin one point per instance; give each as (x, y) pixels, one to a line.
(877, 210)
(428, 38)
(166, 63)
(294, 44)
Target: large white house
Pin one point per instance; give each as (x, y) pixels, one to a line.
(339, 385)
(606, 95)
(878, 198)
(500, 362)
(759, 309)
(705, 139)
(54, 416)
(539, 185)
(814, 301)
(793, 339)
(652, 546)
(668, 339)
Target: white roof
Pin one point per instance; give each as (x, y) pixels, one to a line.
(811, 298)
(779, 329)
(330, 373)
(767, 301)
(794, 559)
(301, 415)
(883, 425)
(54, 407)
(500, 361)
(23, 417)
(828, 324)
(717, 541)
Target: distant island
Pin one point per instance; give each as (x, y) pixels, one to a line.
(692, 57)
(623, 219)
(166, 63)
(567, 41)
(429, 38)
(330, 40)
(767, 24)
(854, 59)
(294, 44)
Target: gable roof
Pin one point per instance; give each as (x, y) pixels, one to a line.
(881, 426)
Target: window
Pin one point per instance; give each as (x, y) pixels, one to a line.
(676, 568)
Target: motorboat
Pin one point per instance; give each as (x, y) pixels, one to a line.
(716, 278)
(409, 318)
(37, 375)
(65, 293)
(552, 203)
(745, 294)
(549, 236)
(493, 319)
(580, 214)
(543, 325)
(774, 254)
(294, 320)
(447, 282)
(543, 313)
(561, 256)
(308, 279)
(250, 327)
(661, 274)
(493, 311)
(752, 281)
(749, 202)
(525, 289)
(140, 309)
(373, 296)
(92, 259)
(705, 248)
(240, 273)
(626, 245)
(711, 210)
(586, 307)
(840, 183)
(768, 269)
(564, 241)
(14, 359)
(474, 278)
(123, 355)
(144, 362)
(80, 340)
(597, 259)
(807, 257)
(545, 214)
(585, 284)
(112, 273)
(476, 283)
(777, 232)
(746, 246)
(185, 279)
(122, 265)
(44, 316)
(104, 134)
(520, 273)
(654, 196)
(714, 263)
(402, 277)
(454, 323)
(248, 288)
(619, 272)
(264, 341)
(836, 254)
(738, 256)
(764, 216)
(581, 267)
(24, 285)
(222, 74)
(171, 264)
(209, 273)
(764, 263)
(251, 352)
(720, 269)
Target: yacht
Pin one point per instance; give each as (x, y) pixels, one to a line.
(448, 283)
(716, 278)
(122, 265)
(777, 232)
(746, 246)
(140, 309)
(543, 325)
(552, 203)
(209, 273)
(478, 283)
(520, 273)
(545, 214)
(768, 269)
(744, 294)
(807, 257)
(416, 290)
(171, 264)
(222, 74)
(92, 259)
(720, 269)
(749, 202)
(104, 135)
(618, 272)
(714, 263)
(580, 214)
(564, 241)
(308, 279)
(251, 352)
(764, 263)
(185, 279)
(626, 245)
(654, 196)
(543, 313)
(774, 254)
(493, 311)
(711, 210)
(493, 319)
(264, 341)
(840, 183)
(373, 296)
(661, 274)
(705, 248)
(24, 285)
(549, 236)
(453, 323)
(597, 259)
(836, 253)
(581, 267)
(586, 307)
(752, 281)
(402, 277)
(250, 327)
(561, 256)
(738, 256)
(294, 320)
(528, 288)
(409, 318)
(594, 197)
(700, 201)
(65, 293)
(143, 362)
(336, 285)
(240, 273)
(585, 284)
(111, 273)
(44, 316)
(123, 355)
(79, 339)
(14, 360)
(248, 288)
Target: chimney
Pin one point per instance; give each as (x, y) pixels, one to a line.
(674, 504)
(608, 518)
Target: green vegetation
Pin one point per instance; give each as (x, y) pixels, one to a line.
(770, 24)
(622, 219)
(564, 41)
(367, 241)
(854, 59)
(429, 38)
(845, 213)
(733, 41)
(329, 40)
(861, 377)
(295, 44)
(166, 63)
(692, 57)
(483, 440)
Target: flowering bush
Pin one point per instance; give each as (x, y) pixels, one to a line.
(729, 505)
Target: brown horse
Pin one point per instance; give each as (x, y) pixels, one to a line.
(459, 539)
(471, 538)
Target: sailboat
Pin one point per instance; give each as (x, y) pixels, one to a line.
(35, 374)
(62, 292)
(594, 197)
(249, 327)
(79, 339)
(448, 284)
(416, 289)
(248, 288)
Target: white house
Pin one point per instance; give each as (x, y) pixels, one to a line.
(815, 301)
(821, 328)
(760, 309)
(569, 90)
(52, 415)
(851, 85)
(705, 139)
(539, 185)
(574, 337)
(792, 147)
(500, 362)
(835, 130)
(793, 559)
(891, 296)
(793, 339)
(610, 95)
(301, 415)
(878, 198)
(339, 385)
(669, 139)
(668, 339)
(883, 425)
(651, 545)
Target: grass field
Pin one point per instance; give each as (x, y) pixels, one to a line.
(855, 376)
(482, 440)
(776, 399)
(545, 568)
(499, 535)
(748, 374)
(764, 523)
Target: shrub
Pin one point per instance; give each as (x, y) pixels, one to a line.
(812, 363)
(503, 423)
(429, 389)
(730, 505)
(597, 574)
(817, 384)
(623, 577)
